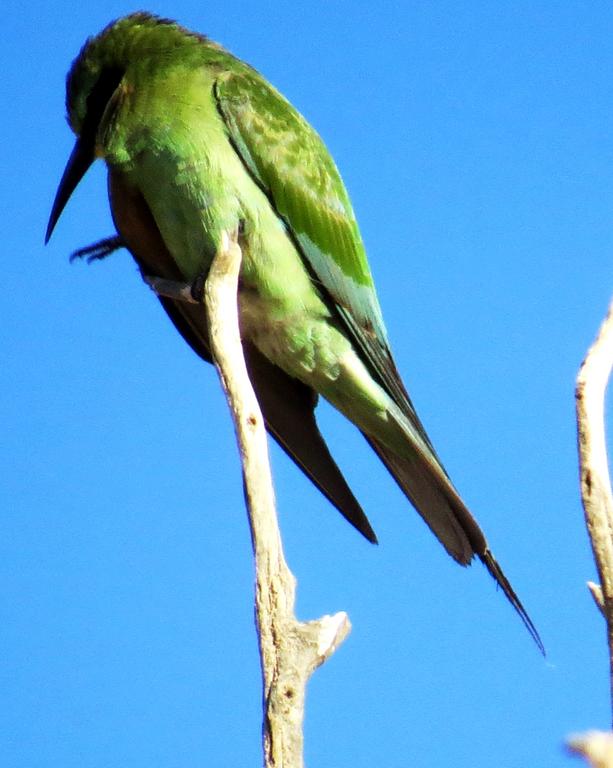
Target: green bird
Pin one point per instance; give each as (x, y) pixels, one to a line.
(197, 143)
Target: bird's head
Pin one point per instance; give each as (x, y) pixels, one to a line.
(94, 87)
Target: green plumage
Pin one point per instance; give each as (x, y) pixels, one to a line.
(197, 143)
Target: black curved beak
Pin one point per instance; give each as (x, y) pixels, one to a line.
(81, 157)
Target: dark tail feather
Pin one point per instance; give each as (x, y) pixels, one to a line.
(434, 497)
(496, 571)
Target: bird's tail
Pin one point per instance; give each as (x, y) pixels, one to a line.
(429, 489)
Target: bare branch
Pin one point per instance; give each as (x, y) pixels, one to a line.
(593, 465)
(290, 650)
(596, 592)
(595, 746)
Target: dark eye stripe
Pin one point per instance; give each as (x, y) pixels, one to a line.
(98, 99)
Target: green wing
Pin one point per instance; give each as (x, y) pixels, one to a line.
(291, 164)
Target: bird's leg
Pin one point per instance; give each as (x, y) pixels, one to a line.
(98, 250)
(171, 289)
(191, 293)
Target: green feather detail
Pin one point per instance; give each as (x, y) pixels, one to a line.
(291, 164)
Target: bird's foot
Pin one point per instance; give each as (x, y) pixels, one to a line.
(171, 289)
(192, 293)
(197, 287)
(98, 250)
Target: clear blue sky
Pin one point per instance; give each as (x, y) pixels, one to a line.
(476, 142)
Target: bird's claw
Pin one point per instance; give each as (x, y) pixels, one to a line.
(197, 287)
(98, 250)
